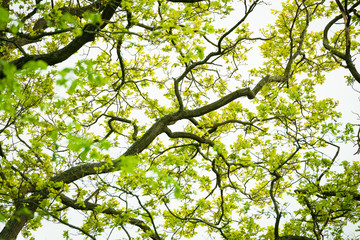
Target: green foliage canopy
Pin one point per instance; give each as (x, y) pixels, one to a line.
(144, 114)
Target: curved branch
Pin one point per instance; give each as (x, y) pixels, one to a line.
(89, 32)
(122, 65)
(92, 206)
(276, 206)
(113, 118)
(187, 135)
(326, 39)
(347, 56)
(252, 6)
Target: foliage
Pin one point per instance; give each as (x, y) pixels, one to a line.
(144, 114)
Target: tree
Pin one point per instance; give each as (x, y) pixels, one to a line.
(143, 116)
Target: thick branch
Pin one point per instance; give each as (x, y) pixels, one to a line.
(40, 25)
(89, 32)
(326, 39)
(22, 213)
(244, 92)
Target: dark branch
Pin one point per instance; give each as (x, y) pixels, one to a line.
(347, 55)
(89, 33)
(87, 206)
(187, 135)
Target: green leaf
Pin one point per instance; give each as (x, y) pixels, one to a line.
(128, 163)
(93, 17)
(4, 17)
(104, 144)
(200, 52)
(35, 65)
(76, 143)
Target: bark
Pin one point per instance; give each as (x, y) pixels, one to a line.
(22, 213)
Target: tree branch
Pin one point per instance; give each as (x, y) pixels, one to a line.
(187, 135)
(89, 32)
(87, 206)
(347, 55)
(276, 206)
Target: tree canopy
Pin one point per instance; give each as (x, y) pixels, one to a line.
(147, 119)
